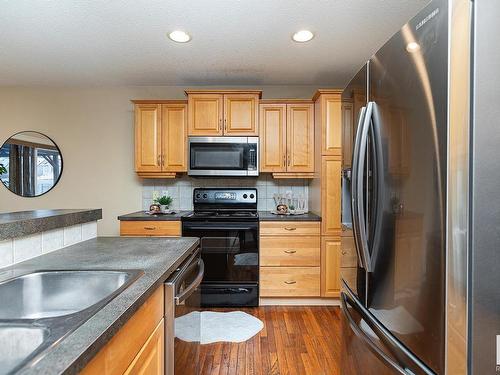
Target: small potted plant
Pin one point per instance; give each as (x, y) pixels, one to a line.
(2, 169)
(164, 202)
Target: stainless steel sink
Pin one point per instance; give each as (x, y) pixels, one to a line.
(55, 293)
(38, 309)
(17, 343)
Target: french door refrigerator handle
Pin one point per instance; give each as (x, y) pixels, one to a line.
(358, 214)
(403, 355)
(354, 181)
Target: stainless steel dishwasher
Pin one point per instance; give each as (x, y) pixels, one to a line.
(182, 297)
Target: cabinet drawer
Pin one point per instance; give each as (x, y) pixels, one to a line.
(289, 281)
(348, 256)
(287, 228)
(150, 228)
(290, 251)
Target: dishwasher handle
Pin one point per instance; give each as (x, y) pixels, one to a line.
(181, 297)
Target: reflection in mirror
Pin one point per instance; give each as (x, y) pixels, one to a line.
(30, 164)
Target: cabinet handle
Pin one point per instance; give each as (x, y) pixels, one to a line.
(290, 251)
(344, 252)
(220, 124)
(225, 125)
(288, 158)
(150, 228)
(284, 160)
(158, 160)
(163, 160)
(290, 282)
(290, 228)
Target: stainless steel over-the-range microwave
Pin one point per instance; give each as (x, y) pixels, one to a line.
(223, 156)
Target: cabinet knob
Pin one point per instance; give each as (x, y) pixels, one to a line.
(344, 252)
(290, 282)
(290, 251)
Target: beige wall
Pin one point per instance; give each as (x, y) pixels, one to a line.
(94, 130)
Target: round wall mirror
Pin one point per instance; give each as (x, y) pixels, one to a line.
(30, 164)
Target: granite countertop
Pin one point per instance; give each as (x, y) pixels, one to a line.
(157, 257)
(22, 223)
(141, 215)
(263, 216)
(267, 216)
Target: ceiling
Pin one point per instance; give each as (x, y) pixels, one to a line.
(89, 43)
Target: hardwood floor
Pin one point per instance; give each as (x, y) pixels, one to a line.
(296, 340)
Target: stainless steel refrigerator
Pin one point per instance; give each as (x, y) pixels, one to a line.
(425, 185)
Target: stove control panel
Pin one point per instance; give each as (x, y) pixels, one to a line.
(225, 196)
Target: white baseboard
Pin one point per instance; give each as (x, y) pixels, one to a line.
(299, 302)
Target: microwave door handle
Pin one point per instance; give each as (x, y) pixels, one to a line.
(178, 299)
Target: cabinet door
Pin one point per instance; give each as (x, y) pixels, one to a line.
(347, 134)
(300, 137)
(272, 137)
(330, 267)
(147, 138)
(205, 114)
(241, 114)
(174, 137)
(331, 124)
(331, 195)
(150, 360)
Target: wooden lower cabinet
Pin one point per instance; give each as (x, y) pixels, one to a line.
(290, 259)
(146, 228)
(330, 267)
(331, 176)
(151, 358)
(137, 348)
(290, 251)
(287, 228)
(289, 281)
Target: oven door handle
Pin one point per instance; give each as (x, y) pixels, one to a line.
(225, 229)
(178, 299)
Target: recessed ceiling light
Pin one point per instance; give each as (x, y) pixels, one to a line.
(179, 36)
(303, 36)
(413, 47)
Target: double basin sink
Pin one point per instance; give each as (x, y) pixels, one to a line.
(40, 308)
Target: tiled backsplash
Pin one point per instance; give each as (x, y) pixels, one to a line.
(181, 189)
(19, 249)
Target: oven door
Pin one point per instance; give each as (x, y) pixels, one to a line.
(223, 156)
(230, 251)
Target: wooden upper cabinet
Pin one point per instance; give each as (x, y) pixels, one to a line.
(147, 138)
(272, 137)
(300, 137)
(347, 133)
(174, 137)
(241, 113)
(215, 113)
(330, 121)
(160, 138)
(205, 114)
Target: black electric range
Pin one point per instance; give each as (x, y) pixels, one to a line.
(227, 223)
